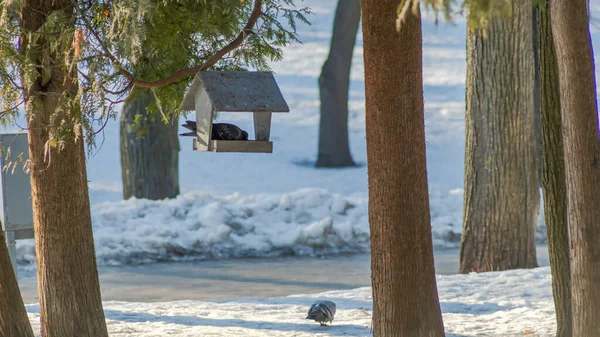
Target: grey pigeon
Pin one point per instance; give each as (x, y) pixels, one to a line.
(220, 131)
(322, 311)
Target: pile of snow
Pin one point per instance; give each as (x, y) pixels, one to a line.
(512, 303)
(198, 226)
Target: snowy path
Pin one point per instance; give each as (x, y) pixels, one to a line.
(513, 303)
(225, 279)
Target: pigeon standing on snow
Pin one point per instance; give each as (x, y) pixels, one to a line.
(220, 131)
(322, 311)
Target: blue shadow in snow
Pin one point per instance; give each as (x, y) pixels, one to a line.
(475, 309)
(333, 330)
(342, 303)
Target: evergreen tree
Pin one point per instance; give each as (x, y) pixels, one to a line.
(579, 119)
(405, 298)
(69, 63)
(553, 175)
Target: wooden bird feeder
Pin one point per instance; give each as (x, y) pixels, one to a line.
(234, 91)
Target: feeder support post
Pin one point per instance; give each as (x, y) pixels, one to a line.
(204, 119)
(262, 125)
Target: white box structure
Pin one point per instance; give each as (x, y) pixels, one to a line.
(16, 213)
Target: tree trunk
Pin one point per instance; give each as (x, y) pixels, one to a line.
(149, 165)
(553, 176)
(536, 90)
(501, 202)
(405, 298)
(579, 114)
(68, 287)
(13, 316)
(334, 83)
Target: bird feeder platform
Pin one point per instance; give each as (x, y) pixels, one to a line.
(233, 91)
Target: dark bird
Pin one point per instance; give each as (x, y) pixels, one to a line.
(220, 131)
(322, 311)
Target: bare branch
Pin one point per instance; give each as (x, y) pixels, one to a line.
(107, 112)
(104, 88)
(10, 79)
(120, 92)
(3, 113)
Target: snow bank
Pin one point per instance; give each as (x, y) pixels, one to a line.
(198, 226)
(203, 226)
(511, 303)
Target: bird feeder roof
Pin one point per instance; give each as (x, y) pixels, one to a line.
(237, 91)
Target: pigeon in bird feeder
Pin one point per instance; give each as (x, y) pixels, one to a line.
(322, 311)
(220, 131)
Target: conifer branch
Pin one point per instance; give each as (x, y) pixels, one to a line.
(183, 73)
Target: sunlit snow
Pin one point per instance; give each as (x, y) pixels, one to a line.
(237, 205)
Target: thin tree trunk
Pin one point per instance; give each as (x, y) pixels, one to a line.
(68, 288)
(579, 113)
(536, 90)
(501, 170)
(553, 176)
(334, 83)
(149, 165)
(405, 298)
(13, 316)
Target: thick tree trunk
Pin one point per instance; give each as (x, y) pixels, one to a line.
(13, 316)
(501, 202)
(68, 288)
(579, 114)
(149, 165)
(553, 176)
(405, 298)
(334, 83)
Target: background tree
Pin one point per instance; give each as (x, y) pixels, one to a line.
(579, 113)
(405, 299)
(553, 175)
(13, 316)
(501, 174)
(71, 61)
(149, 159)
(334, 83)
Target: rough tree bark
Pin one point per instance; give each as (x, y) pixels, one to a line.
(501, 201)
(149, 165)
(579, 113)
(13, 316)
(405, 298)
(334, 83)
(536, 90)
(553, 175)
(68, 287)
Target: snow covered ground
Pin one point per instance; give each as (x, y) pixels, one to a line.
(236, 205)
(512, 303)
